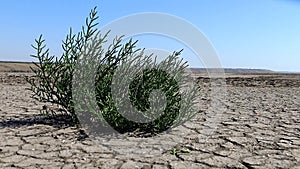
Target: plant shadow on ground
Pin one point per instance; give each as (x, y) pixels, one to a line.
(58, 121)
(62, 120)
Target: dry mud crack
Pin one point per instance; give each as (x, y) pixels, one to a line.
(260, 128)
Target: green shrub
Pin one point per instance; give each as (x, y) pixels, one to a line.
(52, 81)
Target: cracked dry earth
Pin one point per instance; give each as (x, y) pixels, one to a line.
(256, 124)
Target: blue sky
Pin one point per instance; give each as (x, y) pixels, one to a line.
(245, 33)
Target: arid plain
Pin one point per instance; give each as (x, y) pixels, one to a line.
(254, 124)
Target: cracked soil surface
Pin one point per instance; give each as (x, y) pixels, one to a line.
(258, 126)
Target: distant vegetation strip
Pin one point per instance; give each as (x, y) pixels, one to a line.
(9, 66)
(21, 62)
(18, 66)
(231, 70)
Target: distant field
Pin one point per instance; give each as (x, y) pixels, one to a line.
(8, 66)
(15, 66)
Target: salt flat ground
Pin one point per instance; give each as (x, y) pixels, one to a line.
(256, 124)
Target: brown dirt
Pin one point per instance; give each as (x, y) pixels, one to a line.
(15, 66)
(254, 125)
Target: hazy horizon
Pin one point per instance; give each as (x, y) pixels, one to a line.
(236, 68)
